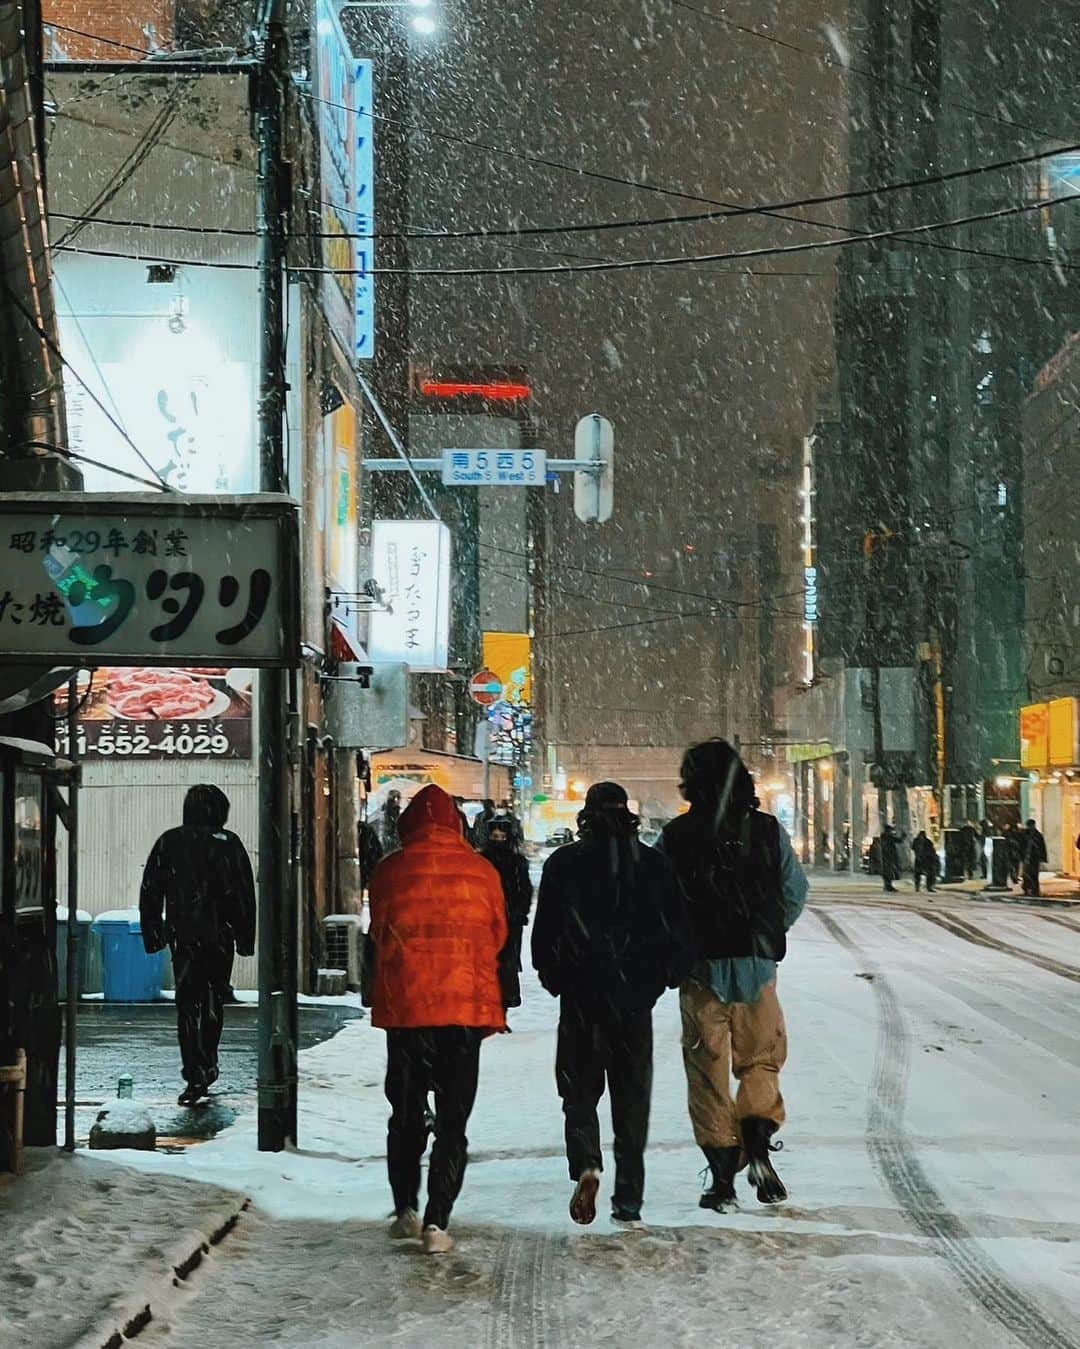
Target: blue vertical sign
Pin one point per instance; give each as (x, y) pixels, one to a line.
(364, 94)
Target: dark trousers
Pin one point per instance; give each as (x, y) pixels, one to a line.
(444, 1060)
(1031, 879)
(931, 879)
(599, 1043)
(202, 989)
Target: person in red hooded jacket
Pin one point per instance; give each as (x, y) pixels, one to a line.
(438, 923)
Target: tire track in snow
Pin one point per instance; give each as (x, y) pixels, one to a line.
(527, 1297)
(895, 1160)
(968, 932)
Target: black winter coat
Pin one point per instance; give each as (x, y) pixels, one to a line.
(198, 890)
(730, 874)
(611, 926)
(517, 889)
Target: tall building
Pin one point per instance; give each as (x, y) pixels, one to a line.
(919, 479)
(664, 624)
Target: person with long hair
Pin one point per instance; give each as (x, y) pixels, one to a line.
(745, 889)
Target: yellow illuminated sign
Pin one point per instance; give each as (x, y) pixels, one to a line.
(1035, 735)
(507, 654)
(1061, 736)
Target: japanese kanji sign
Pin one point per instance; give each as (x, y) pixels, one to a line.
(410, 561)
(96, 579)
(494, 468)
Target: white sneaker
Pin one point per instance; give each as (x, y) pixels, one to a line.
(437, 1241)
(628, 1224)
(406, 1226)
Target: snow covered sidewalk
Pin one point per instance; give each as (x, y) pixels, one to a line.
(87, 1246)
(932, 1094)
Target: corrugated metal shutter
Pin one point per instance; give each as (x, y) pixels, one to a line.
(124, 807)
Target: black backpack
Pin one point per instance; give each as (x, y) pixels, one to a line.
(732, 884)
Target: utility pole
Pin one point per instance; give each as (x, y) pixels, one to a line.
(277, 918)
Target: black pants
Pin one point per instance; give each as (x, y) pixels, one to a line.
(598, 1043)
(1031, 880)
(444, 1060)
(931, 879)
(202, 989)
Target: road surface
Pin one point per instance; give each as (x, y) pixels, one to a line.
(933, 1095)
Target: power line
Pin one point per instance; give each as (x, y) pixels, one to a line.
(630, 264)
(640, 222)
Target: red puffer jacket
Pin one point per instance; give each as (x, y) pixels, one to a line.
(438, 923)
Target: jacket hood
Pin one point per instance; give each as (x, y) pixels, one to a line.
(206, 807)
(430, 808)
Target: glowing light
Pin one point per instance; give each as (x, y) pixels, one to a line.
(1003, 781)
(578, 787)
(494, 391)
(424, 25)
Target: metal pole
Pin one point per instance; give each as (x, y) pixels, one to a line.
(395, 440)
(277, 943)
(73, 916)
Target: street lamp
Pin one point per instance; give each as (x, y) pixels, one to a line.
(422, 23)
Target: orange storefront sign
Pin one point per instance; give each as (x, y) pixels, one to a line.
(1035, 735)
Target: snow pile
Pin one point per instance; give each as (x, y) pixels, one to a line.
(81, 1238)
(125, 1117)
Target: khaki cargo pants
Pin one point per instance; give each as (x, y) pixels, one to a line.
(747, 1039)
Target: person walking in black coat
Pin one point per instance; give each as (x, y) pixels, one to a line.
(890, 857)
(610, 934)
(198, 898)
(1032, 854)
(506, 857)
(925, 859)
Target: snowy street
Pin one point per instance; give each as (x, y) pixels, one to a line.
(930, 1157)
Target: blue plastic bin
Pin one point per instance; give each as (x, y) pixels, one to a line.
(128, 974)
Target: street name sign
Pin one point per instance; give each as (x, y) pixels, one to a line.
(98, 579)
(494, 468)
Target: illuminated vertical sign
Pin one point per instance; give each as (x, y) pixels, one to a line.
(364, 252)
(410, 563)
(810, 574)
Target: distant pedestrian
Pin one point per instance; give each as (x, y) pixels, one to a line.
(369, 851)
(985, 846)
(438, 924)
(610, 935)
(506, 857)
(925, 861)
(969, 848)
(387, 824)
(505, 813)
(890, 857)
(1032, 854)
(745, 890)
(481, 823)
(198, 897)
(1014, 848)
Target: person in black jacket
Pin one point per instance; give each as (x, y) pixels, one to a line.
(925, 861)
(890, 857)
(506, 857)
(610, 934)
(1032, 854)
(198, 897)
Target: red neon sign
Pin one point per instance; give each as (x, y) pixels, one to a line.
(498, 391)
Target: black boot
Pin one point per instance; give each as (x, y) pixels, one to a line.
(756, 1134)
(723, 1164)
